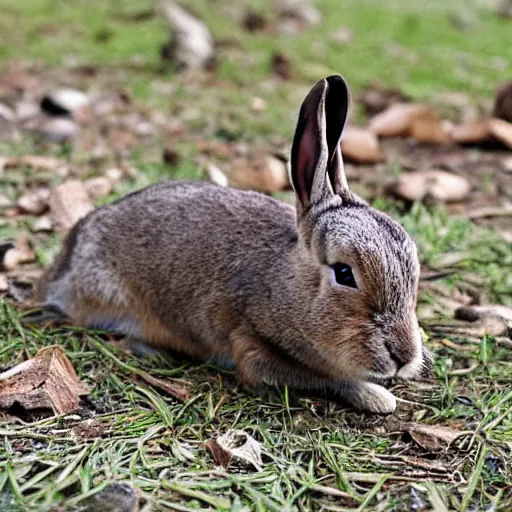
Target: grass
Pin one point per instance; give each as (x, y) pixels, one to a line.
(318, 455)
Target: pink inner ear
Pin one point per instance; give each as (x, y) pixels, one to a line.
(304, 164)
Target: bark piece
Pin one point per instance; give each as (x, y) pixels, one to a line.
(46, 381)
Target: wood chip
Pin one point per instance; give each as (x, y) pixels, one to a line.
(69, 202)
(46, 381)
(235, 446)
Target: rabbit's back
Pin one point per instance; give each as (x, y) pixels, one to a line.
(180, 259)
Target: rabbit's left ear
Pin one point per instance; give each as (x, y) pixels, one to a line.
(316, 163)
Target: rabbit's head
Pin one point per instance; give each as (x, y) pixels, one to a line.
(366, 284)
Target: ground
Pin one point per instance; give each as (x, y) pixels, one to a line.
(317, 453)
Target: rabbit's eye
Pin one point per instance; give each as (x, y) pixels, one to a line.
(343, 274)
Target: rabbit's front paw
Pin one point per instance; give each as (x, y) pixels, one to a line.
(371, 397)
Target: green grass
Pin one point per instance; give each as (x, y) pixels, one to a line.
(319, 455)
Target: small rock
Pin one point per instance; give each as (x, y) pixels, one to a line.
(42, 224)
(5, 202)
(360, 146)
(342, 36)
(431, 130)
(375, 99)
(397, 120)
(471, 132)
(264, 173)
(69, 202)
(19, 254)
(64, 102)
(34, 203)
(99, 187)
(430, 185)
(282, 66)
(114, 175)
(191, 46)
(299, 10)
(258, 104)
(7, 113)
(503, 102)
(26, 110)
(58, 129)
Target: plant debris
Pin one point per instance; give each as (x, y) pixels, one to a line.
(46, 381)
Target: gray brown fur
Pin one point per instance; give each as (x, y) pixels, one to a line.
(225, 274)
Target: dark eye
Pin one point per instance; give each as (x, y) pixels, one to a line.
(344, 275)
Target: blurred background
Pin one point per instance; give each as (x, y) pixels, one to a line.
(99, 98)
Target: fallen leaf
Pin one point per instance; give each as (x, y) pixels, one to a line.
(360, 146)
(433, 437)
(69, 202)
(191, 45)
(503, 102)
(235, 446)
(264, 173)
(430, 185)
(397, 120)
(46, 381)
(99, 187)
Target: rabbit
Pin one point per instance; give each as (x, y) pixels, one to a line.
(319, 297)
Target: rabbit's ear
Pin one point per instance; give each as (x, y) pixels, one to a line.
(336, 109)
(316, 164)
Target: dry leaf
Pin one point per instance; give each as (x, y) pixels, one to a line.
(430, 185)
(397, 120)
(264, 173)
(191, 45)
(494, 319)
(432, 437)
(360, 146)
(236, 446)
(47, 381)
(69, 202)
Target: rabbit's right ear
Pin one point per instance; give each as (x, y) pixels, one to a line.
(316, 164)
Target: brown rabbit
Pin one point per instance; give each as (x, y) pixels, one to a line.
(321, 297)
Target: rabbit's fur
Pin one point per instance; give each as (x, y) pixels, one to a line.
(238, 276)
